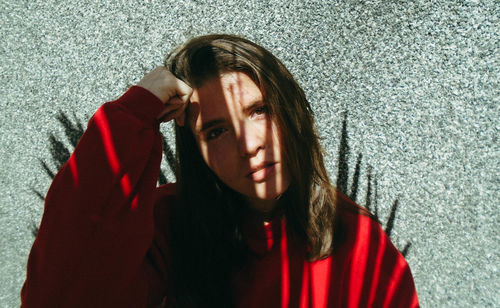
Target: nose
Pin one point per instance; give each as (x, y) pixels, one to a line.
(250, 140)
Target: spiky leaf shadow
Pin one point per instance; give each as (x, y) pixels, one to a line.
(169, 154)
(371, 192)
(73, 130)
(60, 153)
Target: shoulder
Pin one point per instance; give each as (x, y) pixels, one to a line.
(376, 270)
(361, 235)
(356, 225)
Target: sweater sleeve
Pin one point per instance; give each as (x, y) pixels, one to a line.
(97, 224)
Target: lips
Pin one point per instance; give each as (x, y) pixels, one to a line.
(262, 171)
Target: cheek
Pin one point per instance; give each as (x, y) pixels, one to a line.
(220, 157)
(277, 140)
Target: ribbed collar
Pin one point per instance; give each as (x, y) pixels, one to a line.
(262, 231)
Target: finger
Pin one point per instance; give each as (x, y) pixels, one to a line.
(183, 91)
(174, 114)
(173, 107)
(175, 101)
(172, 104)
(181, 117)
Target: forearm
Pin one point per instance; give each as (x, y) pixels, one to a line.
(98, 222)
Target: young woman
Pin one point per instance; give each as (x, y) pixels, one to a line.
(253, 220)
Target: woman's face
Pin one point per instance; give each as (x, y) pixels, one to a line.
(238, 138)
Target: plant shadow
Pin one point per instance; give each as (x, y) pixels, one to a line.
(371, 182)
(74, 129)
(60, 153)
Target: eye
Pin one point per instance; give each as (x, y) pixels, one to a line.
(260, 111)
(215, 133)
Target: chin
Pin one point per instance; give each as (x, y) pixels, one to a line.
(264, 192)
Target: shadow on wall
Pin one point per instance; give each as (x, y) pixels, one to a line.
(371, 190)
(74, 129)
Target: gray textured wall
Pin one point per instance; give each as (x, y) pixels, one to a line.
(418, 82)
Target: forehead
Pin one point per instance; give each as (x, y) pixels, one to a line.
(221, 97)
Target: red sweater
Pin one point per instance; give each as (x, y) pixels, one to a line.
(102, 241)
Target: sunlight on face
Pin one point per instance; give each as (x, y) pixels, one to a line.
(238, 138)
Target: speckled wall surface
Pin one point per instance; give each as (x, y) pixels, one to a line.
(416, 83)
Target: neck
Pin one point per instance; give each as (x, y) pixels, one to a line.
(263, 207)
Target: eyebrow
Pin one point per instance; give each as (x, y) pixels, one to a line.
(252, 106)
(210, 124)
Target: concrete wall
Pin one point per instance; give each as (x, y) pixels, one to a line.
(415, 86)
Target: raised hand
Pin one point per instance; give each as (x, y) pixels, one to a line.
(173, 92)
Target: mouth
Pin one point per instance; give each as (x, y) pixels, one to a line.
(261, 172)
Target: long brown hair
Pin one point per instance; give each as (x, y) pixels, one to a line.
(207, 244)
